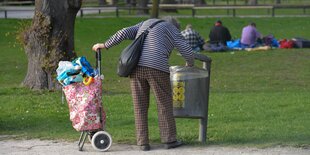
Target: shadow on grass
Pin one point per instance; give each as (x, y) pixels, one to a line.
(23, 91)
(116, 93)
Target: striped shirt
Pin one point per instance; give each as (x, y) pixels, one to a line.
(158, 44)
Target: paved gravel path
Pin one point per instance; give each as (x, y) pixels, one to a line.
(38, 147)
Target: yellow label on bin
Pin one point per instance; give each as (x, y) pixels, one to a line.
(178, 94)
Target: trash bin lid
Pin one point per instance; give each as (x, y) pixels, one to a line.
(187, 73)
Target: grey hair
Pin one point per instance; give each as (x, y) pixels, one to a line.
(189, 26)
(172, 20)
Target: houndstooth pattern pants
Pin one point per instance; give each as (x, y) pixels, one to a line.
(142, 80)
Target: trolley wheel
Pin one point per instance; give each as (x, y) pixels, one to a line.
(101, 141)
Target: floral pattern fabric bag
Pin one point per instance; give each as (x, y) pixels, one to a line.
(85, 105)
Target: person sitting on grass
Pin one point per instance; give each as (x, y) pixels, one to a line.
(193, 38)
(218, 37)
(250, 36)
(219, 34)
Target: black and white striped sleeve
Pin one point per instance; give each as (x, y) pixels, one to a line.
(182, 46)
(128, 33)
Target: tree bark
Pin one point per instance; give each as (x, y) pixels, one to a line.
(102, 2)
(132, 3)
(49, 40)
(252, 2)
(200, 3)
(114, 2)
(155, 9)
(142, 4)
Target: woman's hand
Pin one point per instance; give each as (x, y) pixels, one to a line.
(98, 46)
(187, 65)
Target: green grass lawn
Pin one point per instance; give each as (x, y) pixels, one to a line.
(257, 98)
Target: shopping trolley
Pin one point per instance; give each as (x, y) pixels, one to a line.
(86, 110)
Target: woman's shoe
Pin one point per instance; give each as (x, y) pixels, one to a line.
(145, 147)
(173, 144)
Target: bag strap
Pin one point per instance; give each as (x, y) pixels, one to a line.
(146, 31)
(150, 27)
(159, 21)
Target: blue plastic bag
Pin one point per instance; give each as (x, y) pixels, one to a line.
(72, 72)
(86, 67)
(275, 43)
(233, 44)
(68, 73)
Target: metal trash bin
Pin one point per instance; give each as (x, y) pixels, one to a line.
(190, 86)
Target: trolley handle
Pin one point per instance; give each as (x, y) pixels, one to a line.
(98, 61)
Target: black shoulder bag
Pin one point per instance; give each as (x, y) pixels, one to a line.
(131, 54)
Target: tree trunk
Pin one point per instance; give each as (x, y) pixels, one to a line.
(200, 3)
(155, 9)
(278, 1)
(132, 3)
(49, 40)
(102, 2)
(252, 2)
(142, 4)
(114, 2)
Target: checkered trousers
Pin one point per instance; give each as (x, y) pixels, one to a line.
(142, 80)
